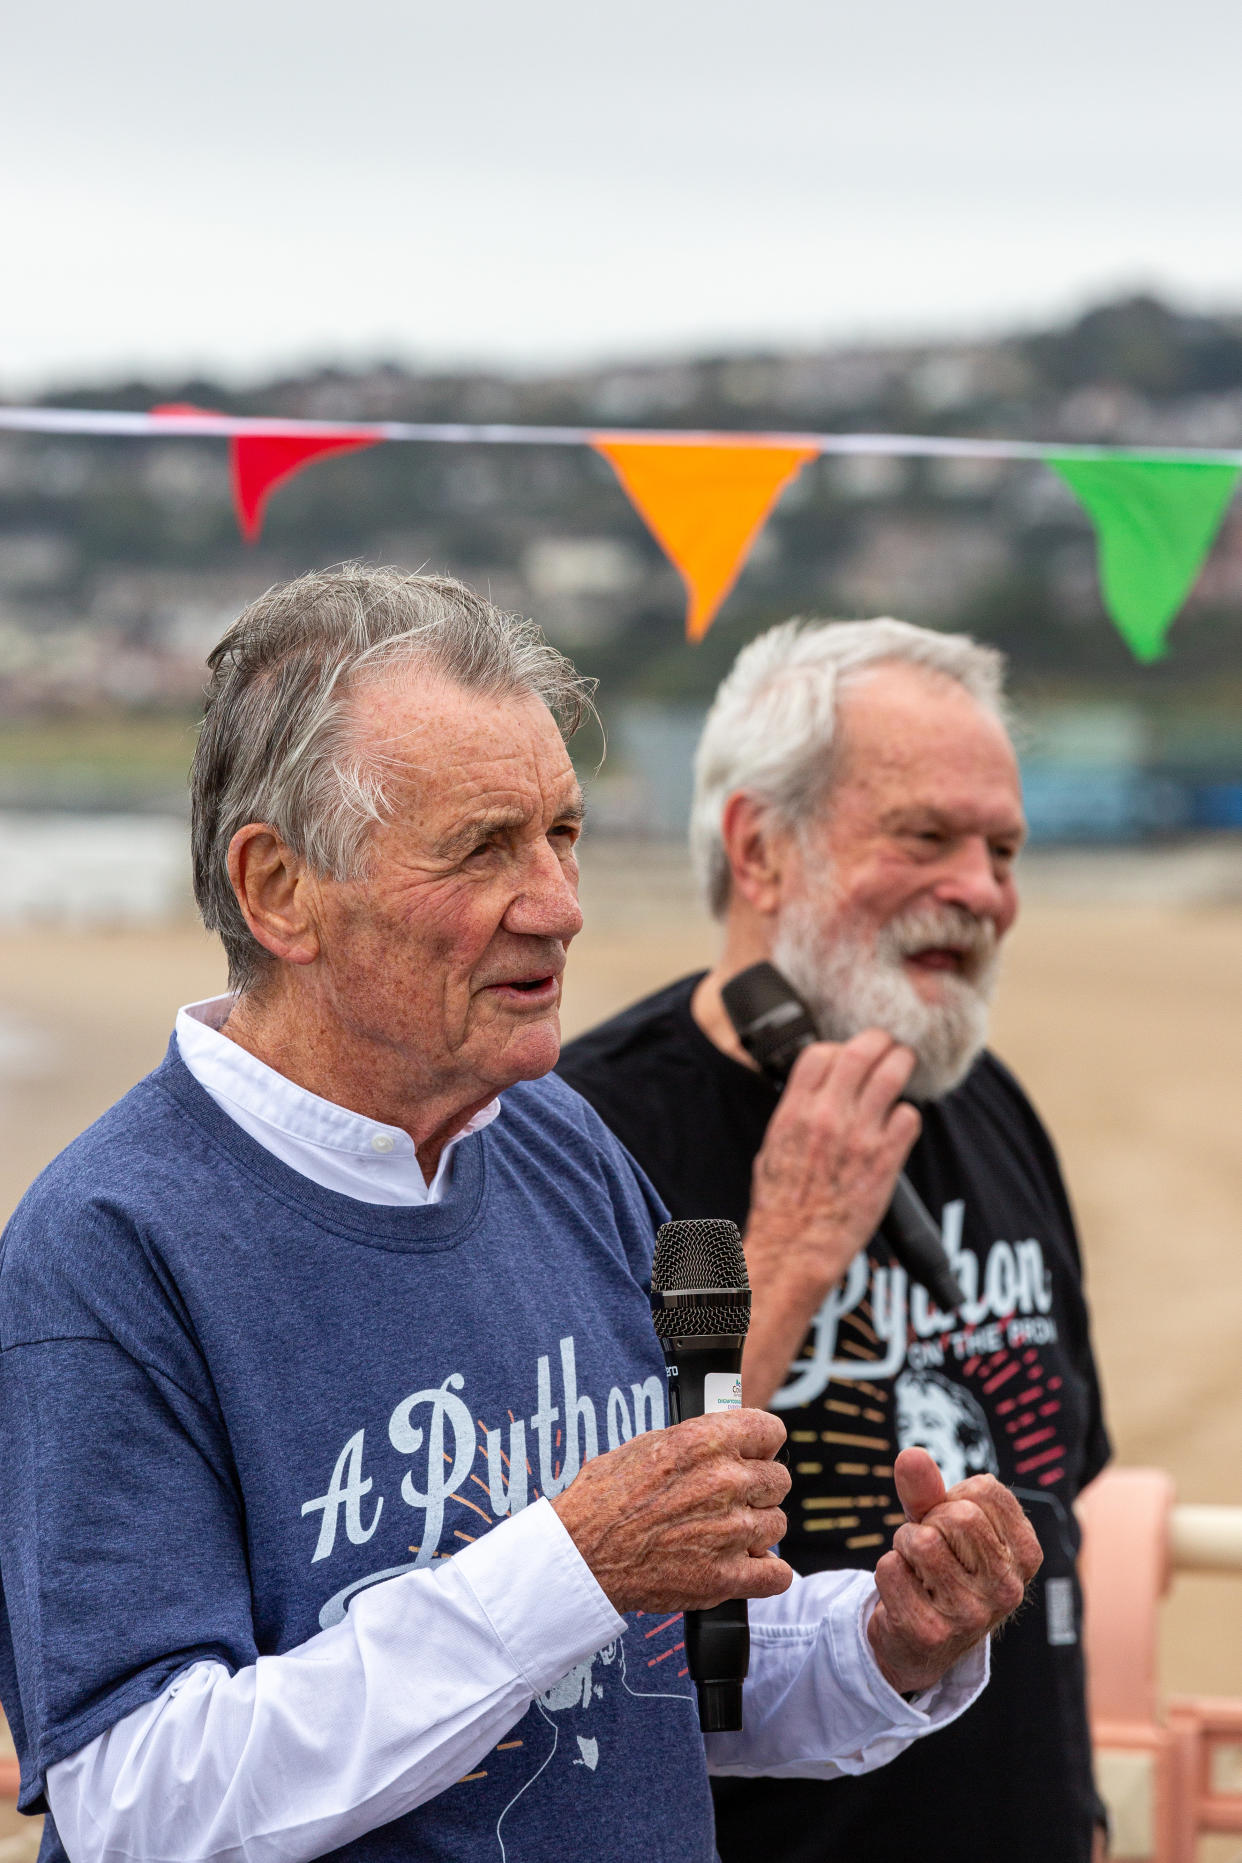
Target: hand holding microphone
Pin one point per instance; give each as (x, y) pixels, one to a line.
(683, 1518)
(829, 1172)
(686, 1519)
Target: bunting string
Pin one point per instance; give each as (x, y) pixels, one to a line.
(705, 496)
(155, 424)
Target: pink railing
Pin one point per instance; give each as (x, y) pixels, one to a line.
(1155, 1759)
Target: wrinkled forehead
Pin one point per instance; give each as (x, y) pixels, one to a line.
(445, 747)
(909, 735)
(413, 713)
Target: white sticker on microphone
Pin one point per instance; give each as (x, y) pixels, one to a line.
(722, 1390)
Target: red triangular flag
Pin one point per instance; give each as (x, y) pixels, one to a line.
(258, 462)
(261, 461)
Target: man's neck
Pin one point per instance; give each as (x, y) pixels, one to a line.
(743, 947)
(290, 1038)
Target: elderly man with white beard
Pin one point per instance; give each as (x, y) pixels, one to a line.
(340, 1515)
(857, 821)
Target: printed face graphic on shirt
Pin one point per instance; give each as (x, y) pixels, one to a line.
(884, 1370)
(944, 1419)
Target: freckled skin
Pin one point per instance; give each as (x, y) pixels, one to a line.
(384, 995)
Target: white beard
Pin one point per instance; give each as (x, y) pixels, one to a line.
(849, 985)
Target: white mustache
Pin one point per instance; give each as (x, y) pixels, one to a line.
(950, 928)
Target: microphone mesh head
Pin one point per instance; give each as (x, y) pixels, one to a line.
(706, 1254)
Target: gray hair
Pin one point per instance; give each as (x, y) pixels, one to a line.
(771, 725)
(278, 742)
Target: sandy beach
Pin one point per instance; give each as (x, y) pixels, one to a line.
(1119, 1009)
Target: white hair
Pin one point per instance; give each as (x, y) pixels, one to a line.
(279, 741)
(771, 726)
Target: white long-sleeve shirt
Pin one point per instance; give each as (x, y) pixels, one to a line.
(297, 1754)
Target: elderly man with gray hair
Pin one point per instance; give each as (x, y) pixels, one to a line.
(856, 822)
(340, 1515)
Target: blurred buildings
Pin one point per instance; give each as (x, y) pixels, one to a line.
(120, 562)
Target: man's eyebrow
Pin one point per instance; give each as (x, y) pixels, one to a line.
(920, 815)
(908, 814)
(478, 827)
(497, 821)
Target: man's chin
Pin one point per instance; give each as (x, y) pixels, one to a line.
(530, 1052)
(934, 988)
(929, 1007)
(933, 1079)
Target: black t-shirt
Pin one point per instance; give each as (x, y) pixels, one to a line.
(1006, 1385)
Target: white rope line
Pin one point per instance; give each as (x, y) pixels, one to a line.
(101, 422)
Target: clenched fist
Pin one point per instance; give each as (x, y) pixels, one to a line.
(683, 1518)
(958, 1568)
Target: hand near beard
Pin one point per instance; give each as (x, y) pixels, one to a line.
(821, 1183)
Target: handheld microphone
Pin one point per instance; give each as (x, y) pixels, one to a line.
(774, 1025)
(700, 1298)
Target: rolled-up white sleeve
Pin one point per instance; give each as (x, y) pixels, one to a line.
(298, 1754)
(816, 1704)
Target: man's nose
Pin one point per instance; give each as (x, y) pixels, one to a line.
(546, 906)
(972, 879)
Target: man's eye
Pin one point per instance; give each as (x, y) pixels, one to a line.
(567, 832)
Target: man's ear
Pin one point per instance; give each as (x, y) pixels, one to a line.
(275, 893)
(758, 850)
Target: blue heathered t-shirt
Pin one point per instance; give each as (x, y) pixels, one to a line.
(197, 1341)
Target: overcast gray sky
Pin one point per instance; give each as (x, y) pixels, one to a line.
(243, 184)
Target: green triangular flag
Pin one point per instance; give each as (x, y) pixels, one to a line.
(1155, 521)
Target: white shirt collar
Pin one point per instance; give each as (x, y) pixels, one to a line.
(338, 1149)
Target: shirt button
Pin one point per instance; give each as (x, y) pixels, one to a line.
(382, 1141)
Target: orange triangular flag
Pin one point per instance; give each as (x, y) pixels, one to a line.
(260, 461)
(705, 504)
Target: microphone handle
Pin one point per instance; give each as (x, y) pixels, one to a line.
(704, 1375)
(774, 1025)
(717, 1645)
(911, 1233)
